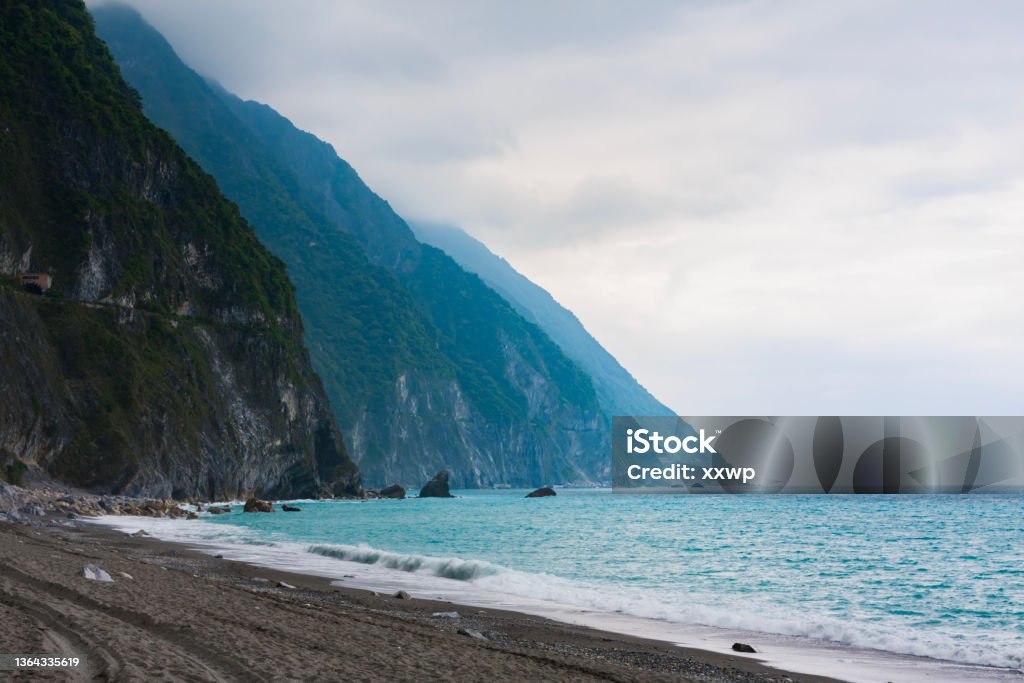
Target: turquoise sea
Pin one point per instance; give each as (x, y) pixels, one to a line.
(936, 576)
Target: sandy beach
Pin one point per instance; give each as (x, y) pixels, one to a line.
(183, 615)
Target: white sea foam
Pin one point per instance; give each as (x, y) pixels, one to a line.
(488, 584)
(443, 567)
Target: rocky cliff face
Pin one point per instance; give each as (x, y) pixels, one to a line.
(168, 359)
(430, 426)
(427, 368)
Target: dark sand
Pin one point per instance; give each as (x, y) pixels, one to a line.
(187, 616)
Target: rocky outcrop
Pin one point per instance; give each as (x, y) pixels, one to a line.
(290, 508)
(542, 492)
(27, 505)
(437, 487)
(167, 361)
(393, 491)
(256, 505)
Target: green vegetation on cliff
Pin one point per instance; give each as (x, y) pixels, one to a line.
(68, 115)
(427, 368)
(168, 359)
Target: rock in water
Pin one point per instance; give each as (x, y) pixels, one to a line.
(393, 491)
(742, 647)
(94, 573)
(437, 487)
(542, 492)
(256, 505)
(402, 595)
(290, 508)
(221, 510)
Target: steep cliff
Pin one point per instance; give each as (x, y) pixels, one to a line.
(443, 373)
(168, 359)
(618, 391)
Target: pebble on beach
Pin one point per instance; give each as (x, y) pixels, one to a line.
(94, 573)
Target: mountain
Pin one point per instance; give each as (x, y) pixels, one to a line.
(168, 358)
(617, 390)
(426, 366)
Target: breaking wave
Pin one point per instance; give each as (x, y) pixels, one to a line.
(445, 567)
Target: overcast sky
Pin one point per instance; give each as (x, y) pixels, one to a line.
(788, 207)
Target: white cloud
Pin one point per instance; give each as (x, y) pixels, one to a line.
(758, 207)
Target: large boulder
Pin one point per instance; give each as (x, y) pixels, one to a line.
(542, 492)
(257, 505)
(393, 491)
(437, 487)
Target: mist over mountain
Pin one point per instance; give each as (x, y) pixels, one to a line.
(618, 391)
(167, 358)
(426, 366)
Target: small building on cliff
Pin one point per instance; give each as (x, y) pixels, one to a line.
(39, 283)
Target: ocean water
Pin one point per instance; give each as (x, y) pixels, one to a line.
(932, 576)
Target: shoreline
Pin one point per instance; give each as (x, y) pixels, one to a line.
(503, 618)
(185, 611)
(794, 655)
